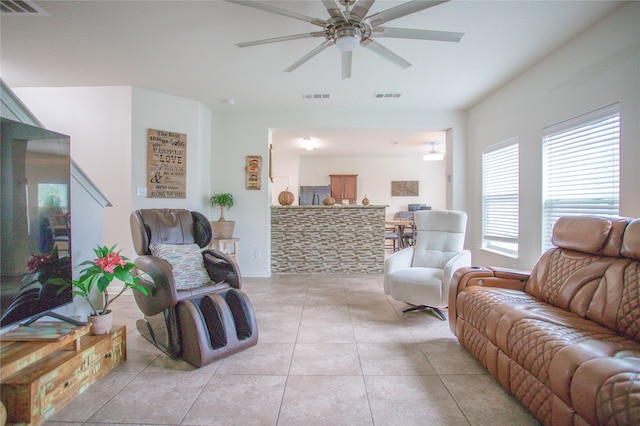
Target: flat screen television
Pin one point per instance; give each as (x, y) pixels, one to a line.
(35, 245)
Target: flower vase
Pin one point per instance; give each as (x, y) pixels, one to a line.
(101, 324)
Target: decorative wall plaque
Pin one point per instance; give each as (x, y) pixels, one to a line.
(166, 164)
(404, 188)
(252, 169)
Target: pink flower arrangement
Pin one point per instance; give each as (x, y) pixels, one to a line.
(110, 262)
(100, 272)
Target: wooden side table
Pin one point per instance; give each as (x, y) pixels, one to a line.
(228, 246)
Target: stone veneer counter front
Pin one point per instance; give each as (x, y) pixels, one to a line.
(327, 239)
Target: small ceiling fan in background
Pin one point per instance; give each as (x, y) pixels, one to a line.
(350, 27)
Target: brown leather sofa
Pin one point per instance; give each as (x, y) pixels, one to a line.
(564, 339)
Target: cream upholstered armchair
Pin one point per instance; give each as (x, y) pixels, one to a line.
(420, 275)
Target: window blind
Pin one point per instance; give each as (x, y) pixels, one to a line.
(581, 168)
(500, 194)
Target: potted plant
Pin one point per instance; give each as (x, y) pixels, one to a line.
(222, 229)
(99, 273)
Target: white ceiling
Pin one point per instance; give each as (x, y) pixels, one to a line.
(187, 48)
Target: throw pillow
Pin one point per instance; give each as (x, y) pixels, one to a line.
(187, 263)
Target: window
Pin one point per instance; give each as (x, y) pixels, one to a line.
(500, 193)
(581, 168)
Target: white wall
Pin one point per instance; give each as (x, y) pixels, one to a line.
(286, 168)
(375, 176)
(238, 133)
(598, 68)
(153, 110)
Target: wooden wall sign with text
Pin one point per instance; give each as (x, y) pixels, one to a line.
(166, 164)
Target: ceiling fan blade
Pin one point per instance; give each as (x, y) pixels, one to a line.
(361, 9)
(416, 34)
(283, 38)
(346, 64)
(309, 55)
(385, 53)
(266, 8)
(402, 10)
(332, 8)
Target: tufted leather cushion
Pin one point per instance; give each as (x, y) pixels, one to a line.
(631, 240)
(187, 263)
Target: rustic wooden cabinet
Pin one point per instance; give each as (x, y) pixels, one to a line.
(37, 383)
(344, 187)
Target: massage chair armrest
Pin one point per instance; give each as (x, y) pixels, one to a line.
(221, 267)
(156, 276)
(606, 390)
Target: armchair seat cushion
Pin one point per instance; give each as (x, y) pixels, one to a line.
(416, 285)
(187, 263)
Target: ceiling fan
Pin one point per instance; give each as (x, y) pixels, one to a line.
(350, 27)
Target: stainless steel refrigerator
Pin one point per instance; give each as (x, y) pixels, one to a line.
(313, 195)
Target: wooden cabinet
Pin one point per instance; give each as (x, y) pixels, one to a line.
(39, 386)
(344, 187)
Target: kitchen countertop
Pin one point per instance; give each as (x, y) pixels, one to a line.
(327, 239)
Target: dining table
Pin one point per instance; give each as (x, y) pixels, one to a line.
(400, 225)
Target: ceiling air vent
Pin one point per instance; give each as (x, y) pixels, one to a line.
(309, 96)
(386, 95)
(21, 7)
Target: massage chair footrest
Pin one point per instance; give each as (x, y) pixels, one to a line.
(216, 325)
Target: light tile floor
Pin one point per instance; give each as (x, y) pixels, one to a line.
(332, 350)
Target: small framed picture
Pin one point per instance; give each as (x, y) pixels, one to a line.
(252, 169)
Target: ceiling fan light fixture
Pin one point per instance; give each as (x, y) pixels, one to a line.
(348, 39)
(433, 155)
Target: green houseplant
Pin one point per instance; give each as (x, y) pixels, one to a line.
(99, 273)
(223, 228)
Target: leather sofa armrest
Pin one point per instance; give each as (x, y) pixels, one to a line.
(157, 278)
(607, 390)
(221, 267)
(490, 277)
(482, 276)
(510, 274)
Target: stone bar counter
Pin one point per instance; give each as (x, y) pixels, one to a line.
(327, 239)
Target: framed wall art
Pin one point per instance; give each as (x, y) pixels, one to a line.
(404, 188)
(252, 170)
(166, 164)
